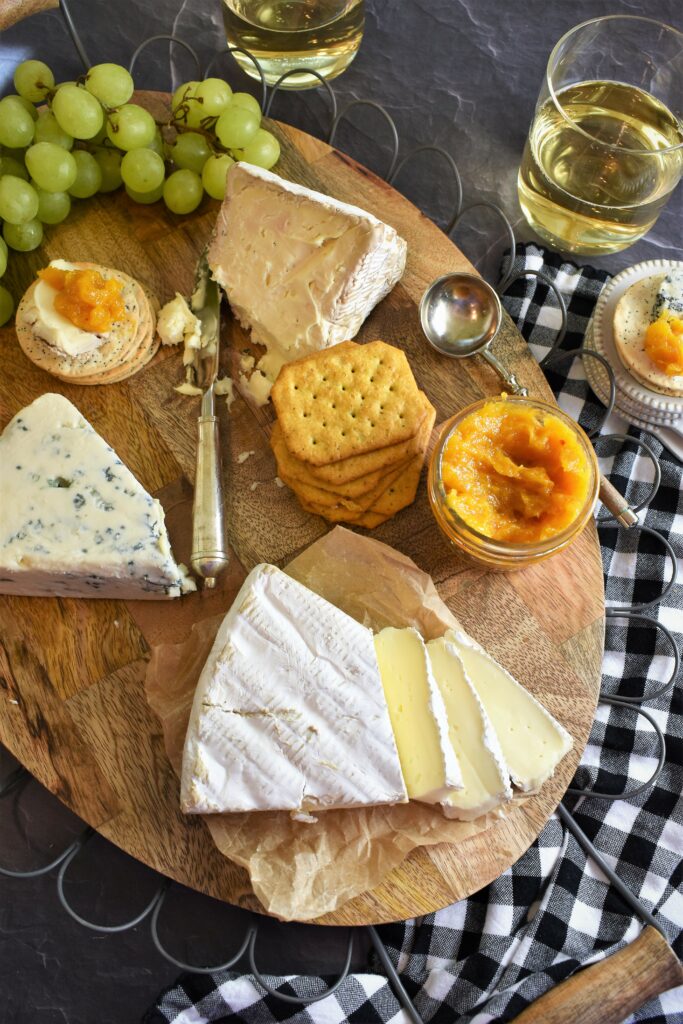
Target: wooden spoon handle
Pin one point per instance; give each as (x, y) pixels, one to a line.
(616, 503)
(12, 11)
(609, 991)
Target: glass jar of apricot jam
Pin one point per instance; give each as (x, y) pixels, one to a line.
(512, 481)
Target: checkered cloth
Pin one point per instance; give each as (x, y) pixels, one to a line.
(486, 958)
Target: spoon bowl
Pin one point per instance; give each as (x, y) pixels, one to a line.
(461, 315)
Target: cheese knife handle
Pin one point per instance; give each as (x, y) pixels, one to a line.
(209, 551)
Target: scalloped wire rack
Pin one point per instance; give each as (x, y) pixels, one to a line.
(633, 613)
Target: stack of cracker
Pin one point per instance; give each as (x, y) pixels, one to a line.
(352, 432)
(125, 348)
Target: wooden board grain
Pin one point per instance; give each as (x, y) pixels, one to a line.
(72, 704)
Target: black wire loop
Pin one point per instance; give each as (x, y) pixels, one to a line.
(559, 355)
(298, 1000)
(154, 931)
(646, 605)
(629, 794)
(510, 277)
(654, 487)
(275, 88)
(171, 39)
(485, 204)
(387, 117)
(615, 613)
(75, 38)
(391, 178)
(91, 925)
(240, 49)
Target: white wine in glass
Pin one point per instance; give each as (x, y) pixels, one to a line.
(316, 35)
(604, 155)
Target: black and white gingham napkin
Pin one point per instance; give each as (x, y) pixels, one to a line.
(486, 958)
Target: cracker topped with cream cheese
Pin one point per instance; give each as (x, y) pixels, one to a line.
(647, 301)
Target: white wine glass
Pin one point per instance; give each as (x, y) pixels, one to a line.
(605, 148)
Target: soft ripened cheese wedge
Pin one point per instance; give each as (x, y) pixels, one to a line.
(74, 521)
(484, 772)
(532, 742)
(301, 270)
(55, 328)
(289, 712)
(418, 716)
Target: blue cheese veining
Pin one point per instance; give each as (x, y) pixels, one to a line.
(74, 521)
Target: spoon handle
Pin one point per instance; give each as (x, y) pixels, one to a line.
(509, 378)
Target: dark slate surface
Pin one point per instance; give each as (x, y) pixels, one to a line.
(462, 74)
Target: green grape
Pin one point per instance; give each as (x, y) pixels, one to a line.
(263, 150)
(110, 83)
(246, 102)
(110, 166)
(23, 237)
(51, 167)
(53, 207)
(145, 197)
(16, 124)
(101, 137)
(18, 200)
(215, 95)
(88, 175)
(236, 127)
(214, 175)
(190, 151)
(48, 130)
(195, 115)
(28, 107)
(77, 111)
(142, 170)
(6, 303)
(182, 93)
(8, 165)
(131, 127)
(3, 256)
(157, 144)
(33, 80)
(183, 191)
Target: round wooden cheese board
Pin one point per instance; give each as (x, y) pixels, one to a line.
(72, 702)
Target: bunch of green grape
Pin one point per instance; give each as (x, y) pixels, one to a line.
(72, 140)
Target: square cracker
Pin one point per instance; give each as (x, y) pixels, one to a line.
(346, 401)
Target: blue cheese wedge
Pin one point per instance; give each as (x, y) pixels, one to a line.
(74, 521)
(289, 714)
(669, 297)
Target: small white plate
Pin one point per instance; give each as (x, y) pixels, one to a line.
(649, 404)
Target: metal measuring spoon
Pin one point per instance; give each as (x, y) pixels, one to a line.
(461, 315)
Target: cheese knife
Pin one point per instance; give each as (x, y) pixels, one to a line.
(209, 550)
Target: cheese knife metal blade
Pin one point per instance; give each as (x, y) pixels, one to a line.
(209, 549)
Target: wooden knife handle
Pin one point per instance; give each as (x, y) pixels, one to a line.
(209, 554)
(12, 11)
(609, 991)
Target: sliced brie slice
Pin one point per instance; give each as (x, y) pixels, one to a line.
(74, 521)
(532, 742)
(418, 716)
(302, 271)
(484, 772)
(289, 712)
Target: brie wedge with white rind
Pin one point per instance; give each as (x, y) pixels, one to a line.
(485, 776)
(74, 521)
(302, 271)
(418, 716)
(289, 712)
(56, 329)
(532, 742)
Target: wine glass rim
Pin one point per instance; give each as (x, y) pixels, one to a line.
(558, 104)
